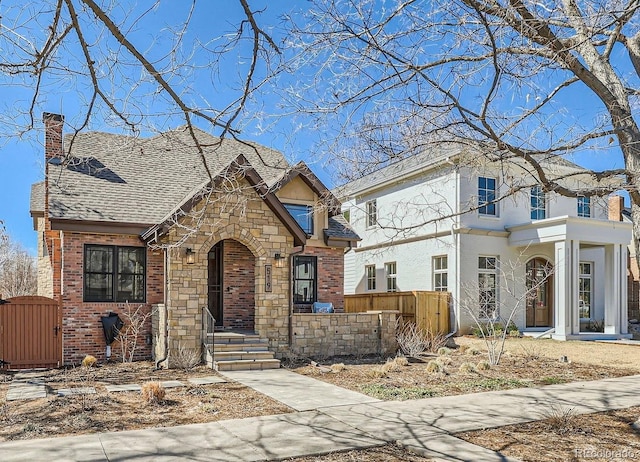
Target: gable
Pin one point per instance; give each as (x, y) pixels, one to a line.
(296, 190)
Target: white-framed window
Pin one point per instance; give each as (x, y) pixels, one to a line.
(584, 207)
(390, 271)
(488, 286)
(487, 196)
(440, 276)
(538, 203)
(585, 289)
(370, 274)
(371, 208)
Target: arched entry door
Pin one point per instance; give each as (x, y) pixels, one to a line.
(539, 293)
(232, 285)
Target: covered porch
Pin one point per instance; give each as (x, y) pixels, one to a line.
(570, 238)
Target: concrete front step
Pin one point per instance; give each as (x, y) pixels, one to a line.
(247, 365)
(231, 337)
(241, 355)
(253, 346)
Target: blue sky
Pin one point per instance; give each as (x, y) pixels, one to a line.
(21, 157)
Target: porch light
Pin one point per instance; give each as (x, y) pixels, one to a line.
(191, 256)
(279, 258)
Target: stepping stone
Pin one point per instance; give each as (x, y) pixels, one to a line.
(172, 384)
(207, 380)
(76, 391)
(123, 387)
(22, 390)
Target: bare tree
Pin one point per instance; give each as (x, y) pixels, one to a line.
(138, 67)
(521, 80)
(497, 298)
(18, 274)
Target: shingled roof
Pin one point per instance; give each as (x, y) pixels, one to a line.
(130, 180)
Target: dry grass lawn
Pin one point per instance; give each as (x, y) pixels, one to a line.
(527, 363)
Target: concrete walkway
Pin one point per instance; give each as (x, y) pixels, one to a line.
(301, 392)
(424, 426)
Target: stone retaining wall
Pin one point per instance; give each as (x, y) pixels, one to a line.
(337, 334)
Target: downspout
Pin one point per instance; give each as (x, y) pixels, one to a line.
(166, 310)
(291, 255)
(456, 245)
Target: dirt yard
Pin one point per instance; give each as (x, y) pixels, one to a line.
(457, 371)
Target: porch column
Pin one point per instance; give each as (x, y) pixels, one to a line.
(565, 278)
(615, 289)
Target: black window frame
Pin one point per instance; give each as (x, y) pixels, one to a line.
(302, 210)
(313, 261)
(114, 273)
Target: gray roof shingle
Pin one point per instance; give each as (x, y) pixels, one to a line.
(340, 229)
(36, 204)
(124, 179)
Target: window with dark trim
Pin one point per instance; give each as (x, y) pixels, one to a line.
(304, 279)
(114, 274)
(303, 214)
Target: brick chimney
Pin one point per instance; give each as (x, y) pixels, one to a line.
(52, 136)
(616, 205)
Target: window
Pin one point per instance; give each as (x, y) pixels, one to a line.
(538, 204)
(370, 271)
(584, 207)
(487, 196)
(487, 286)
(584, 290)
(114, 274)
(303, 214)
(440, 273)
(390, 270)
(372, 213)
(304, 279)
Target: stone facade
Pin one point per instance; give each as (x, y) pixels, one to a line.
(252, 225)
(338, 334)
(45, 270)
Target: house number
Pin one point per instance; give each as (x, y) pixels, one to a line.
(267, 278)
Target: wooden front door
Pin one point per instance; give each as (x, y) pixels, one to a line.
(539, 293)
(216, 281)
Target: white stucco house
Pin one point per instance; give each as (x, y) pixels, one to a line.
(486, 231)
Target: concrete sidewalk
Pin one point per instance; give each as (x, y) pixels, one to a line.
(424, 426)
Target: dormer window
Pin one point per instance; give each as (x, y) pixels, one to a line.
(303, 214)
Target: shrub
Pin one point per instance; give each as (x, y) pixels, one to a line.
(335, 368)
(414, 341)
(401, 361)
(444, 351)
(444, 360)
(89, 361)
(377, 372)
(561, 420)
(153, 392)
(434, 367)
(483, 366)
(185, 358)
(466, 368)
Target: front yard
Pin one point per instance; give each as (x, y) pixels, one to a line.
(527, 363)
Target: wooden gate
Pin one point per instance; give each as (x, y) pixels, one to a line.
(30, 332)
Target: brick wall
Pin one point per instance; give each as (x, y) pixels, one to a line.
(330, 267)
(340, 334)
(239, 282)
(81, 325)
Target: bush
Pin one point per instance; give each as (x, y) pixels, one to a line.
(483, 366)
(89, 361)
(466, 368)
(335, 368)
(443, 351)
(153, 392)
(401, 361)
(185, 358)
(434, 367)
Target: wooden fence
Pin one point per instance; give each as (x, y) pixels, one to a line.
(429, 310)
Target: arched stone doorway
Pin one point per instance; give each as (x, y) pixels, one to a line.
(539, 293)
(231, 285)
